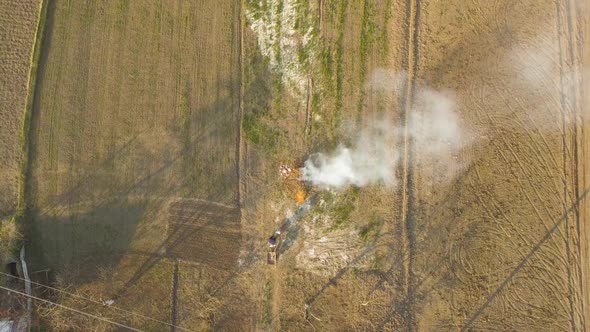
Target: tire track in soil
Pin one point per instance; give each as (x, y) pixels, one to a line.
(566, 59)
(521, 185)
(547, 270)
(174, 318)
(242, 161)
(307, 126)
(241, 143)
(507, 147)
(578, 167)
(565, 159)
(584, 145)
(410, 63)
(320, 15)
(572, 156)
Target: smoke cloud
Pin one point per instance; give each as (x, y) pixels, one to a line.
(435, 126)
(540, 70)
(434, 131)
(370, 159)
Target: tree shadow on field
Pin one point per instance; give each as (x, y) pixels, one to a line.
(428, 230)
(573, 207)
(109, 194)
(109, 204)
(92, 239)
(174, 239)
(401, 305)
(334, 280)
(433, 270)
(495, 31)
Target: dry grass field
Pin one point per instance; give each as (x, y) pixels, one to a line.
(488, 237)
(158, 130)
(507, 231)
(136, 108)
(18, 26)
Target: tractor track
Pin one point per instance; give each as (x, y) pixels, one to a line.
(567, 59)
(577, 164)
(584, 170)
(410, 64)
(240, 143)
(174, 313)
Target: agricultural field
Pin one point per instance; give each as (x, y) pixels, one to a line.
(441, 148)
(18, 28)
(484, 228)
(136, 111)
(508, 227)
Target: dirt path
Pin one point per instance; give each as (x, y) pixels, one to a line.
(411, 67)
(584, 169)
(241, 143)
(27, 284)
(174, 314)
(276, 299)
(565, 48)
(570, 58)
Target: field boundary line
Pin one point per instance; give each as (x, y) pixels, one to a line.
(241, 148)
(21, 206)
(174, 310)
(583, 168)
(569, 98)
(410, 63)
(28, 111)
(576, 58)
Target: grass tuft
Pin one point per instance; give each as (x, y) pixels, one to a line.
(9, 238)
(260, 133)
(371, 229)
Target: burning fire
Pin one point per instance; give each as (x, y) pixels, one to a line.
(293, 182)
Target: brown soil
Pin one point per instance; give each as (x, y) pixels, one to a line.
(499, 247)
(204, 232)
(143, 164)
(134, 155)
(584, 148)
(18, 25)
(490, 238)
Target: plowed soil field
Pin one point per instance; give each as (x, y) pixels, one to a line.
(18, 27)
(135, 116)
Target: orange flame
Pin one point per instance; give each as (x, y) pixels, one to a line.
(300, 196)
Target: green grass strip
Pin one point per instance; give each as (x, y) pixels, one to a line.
(26, 124)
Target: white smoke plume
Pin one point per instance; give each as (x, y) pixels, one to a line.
(542, 69)
(434, 129)
(370, 159)
(385, 80)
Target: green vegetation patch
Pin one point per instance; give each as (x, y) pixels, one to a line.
(369, 231)
(267, 306)
(260, 133)
(339, 207)
(9, 237)
(368, 29)
(340, 56)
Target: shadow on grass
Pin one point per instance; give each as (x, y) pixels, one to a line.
(574, 206)
(86, 216)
